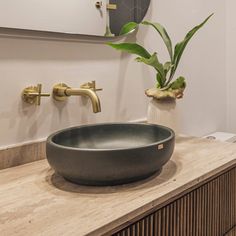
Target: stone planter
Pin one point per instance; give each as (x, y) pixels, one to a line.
(163, 112)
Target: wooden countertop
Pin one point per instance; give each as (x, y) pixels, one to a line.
(35, 201)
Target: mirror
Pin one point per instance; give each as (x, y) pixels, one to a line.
(127, 11)
(74, 17)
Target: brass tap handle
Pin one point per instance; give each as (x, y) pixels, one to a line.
(91, 85)
(40, 94)
(111, 6)
(33, 94)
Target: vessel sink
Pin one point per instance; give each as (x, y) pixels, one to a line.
(111, 153)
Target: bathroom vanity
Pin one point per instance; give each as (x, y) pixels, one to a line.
(195, 194)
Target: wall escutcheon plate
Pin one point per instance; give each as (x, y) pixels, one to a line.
(57, 95)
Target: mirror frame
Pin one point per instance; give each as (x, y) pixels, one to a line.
(58, 36)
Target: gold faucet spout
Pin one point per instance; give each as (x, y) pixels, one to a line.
(88, 93)
(61, 92)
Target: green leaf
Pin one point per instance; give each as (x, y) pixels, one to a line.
(167, 66)
(132, 48)
(128, 28)
(164, 35)
(153, 61)
(159, 81)
(178, 83)
(179, 48)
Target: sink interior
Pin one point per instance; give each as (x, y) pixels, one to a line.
(110, 137)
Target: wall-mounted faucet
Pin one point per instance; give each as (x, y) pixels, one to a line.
(61, 92)
(33, 94)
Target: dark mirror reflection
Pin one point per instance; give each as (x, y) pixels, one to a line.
(126, 11)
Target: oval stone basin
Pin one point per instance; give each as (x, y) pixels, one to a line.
(111, 153)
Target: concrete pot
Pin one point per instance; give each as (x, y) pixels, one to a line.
(163, 112)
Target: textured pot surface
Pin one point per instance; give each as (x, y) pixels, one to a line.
(109, 154)
(163, 113)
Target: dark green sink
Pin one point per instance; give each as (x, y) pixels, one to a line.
(110, 154)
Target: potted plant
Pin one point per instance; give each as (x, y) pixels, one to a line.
(167, 88)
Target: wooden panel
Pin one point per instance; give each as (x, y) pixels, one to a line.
(209, 210)
(106, 210)
(19, 155)
(232, 232)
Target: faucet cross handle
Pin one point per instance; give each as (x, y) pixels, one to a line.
(91, 85)
(33, 94)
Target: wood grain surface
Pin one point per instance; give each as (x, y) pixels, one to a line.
(209, 210)
(22, 154)
(36, 201)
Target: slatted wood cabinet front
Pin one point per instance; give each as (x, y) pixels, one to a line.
(209, 210)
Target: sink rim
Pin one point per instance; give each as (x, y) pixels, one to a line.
(51, 142)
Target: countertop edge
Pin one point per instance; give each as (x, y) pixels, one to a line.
(133, 216)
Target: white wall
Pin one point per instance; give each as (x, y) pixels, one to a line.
(231, 64)
(203, 108)
(25, 62)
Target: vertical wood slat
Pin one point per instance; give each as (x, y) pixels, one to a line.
(232, 232)
(209, 210)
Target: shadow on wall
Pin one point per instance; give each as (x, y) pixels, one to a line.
(45, 49)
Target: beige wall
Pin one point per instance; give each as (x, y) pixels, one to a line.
(203, 109)
(26, 62)
(231, 65)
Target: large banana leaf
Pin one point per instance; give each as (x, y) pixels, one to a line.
(128, 28)
(154, 62)
(132, 48)
(164, 35)
(179, 48)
